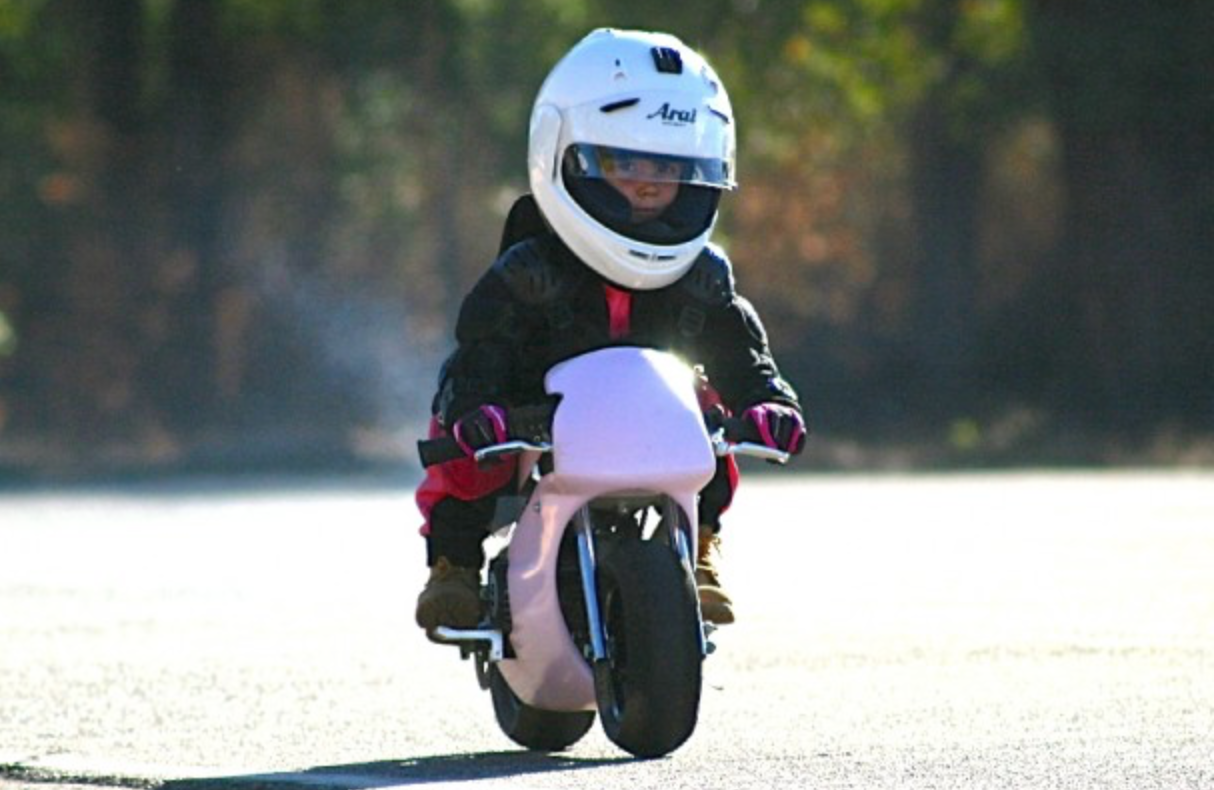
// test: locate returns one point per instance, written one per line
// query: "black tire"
(648, 689)
(533, 728)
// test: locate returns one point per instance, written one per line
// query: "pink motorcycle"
(592, 606)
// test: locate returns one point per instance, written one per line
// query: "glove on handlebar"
(480, 428)
(780, 427)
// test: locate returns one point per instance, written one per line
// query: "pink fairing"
(628, 422)
(629, 419)
(766, 415)
(495, 415)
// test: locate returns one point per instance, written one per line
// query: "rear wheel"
(648, 688)
(536, 729)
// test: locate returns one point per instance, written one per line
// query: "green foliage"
(8, 336)
(862, 67)
(17, 18)
(303, 19)
(886, 174)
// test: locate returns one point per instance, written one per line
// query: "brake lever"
(723, 447)
(510, 448)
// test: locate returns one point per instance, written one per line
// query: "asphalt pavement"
(1032, 630)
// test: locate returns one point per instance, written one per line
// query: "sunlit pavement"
(960, 631)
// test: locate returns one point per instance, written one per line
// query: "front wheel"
(648, 688)
(536, 729)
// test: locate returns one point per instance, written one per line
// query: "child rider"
(631, 147)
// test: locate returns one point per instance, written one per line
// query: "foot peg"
(497, 645)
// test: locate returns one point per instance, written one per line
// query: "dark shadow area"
(235, 462)
(177, 484)
(413, 771)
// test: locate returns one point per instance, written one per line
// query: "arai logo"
(669, 114)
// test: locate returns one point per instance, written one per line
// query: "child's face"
(650, 185)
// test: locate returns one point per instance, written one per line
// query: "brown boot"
(450, 598)
(715, 604)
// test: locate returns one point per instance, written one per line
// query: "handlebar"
(530, 428)
(723, 447)
(736, 436)
(432, 452)
(510, 448)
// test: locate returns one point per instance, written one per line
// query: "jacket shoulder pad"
(531, 271)
(710, 280)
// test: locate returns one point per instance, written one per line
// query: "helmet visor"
(599, 161)
(589, 174)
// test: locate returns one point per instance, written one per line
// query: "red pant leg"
(717, 496)
(463, 479)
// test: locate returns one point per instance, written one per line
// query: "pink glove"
(480, 428)
(780, 427)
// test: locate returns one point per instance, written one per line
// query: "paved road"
(1015, 631)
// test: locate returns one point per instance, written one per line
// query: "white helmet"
(615, 96)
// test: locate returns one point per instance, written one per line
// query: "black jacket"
(538, 305)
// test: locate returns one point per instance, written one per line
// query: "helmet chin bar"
(650, 256)
(628, 262)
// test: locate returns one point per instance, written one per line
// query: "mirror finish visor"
(598, 161)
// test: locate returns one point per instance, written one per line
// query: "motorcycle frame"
(549, 670)
(637, 408)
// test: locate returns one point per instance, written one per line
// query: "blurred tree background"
(234, 233)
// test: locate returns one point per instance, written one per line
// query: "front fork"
(680, 538)
(590, 593)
